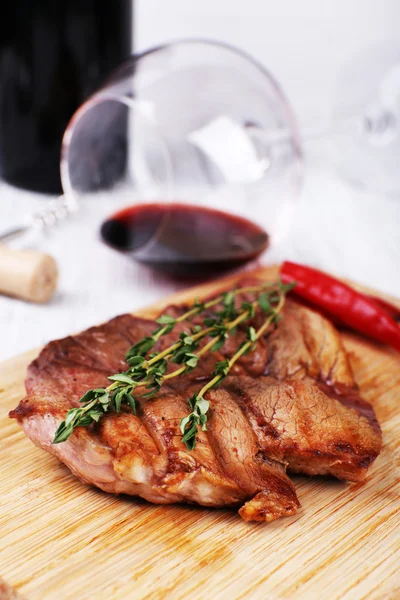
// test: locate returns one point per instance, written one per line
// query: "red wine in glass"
(184, 240)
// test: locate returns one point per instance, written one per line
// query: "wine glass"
(365, 124)
(181, 131)
(366, 119)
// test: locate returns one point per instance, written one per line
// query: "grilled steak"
(291, 404)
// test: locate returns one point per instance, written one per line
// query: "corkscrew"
(55, 211)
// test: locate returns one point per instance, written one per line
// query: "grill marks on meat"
(306, 344)
(272, 493)
(195, 476)
(311, 432)
(292, 403)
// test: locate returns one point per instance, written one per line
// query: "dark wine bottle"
(53, 55)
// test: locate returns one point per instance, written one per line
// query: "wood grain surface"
(61, 539)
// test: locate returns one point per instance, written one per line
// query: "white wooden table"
(335, 227)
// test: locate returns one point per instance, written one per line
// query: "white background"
(304, 43)
(335, 227)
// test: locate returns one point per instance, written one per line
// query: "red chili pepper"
(391, 310)
(336, 299)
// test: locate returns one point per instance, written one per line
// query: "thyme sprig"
(199, 405)
(150, 370)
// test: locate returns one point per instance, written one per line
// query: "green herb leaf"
(142, 347)
(202, 405)
(186, 339)
(135, 361)
(264, 303)
(191, 360)
(251, 334)
(92, 395)
(199, 305)
(218, 344)
(121, 378)
(222, 368)
(118, 397)
(192, 401)
(228, 298)
(62, 434)
(250, 308)
(210, 321)
(71, 416)
(95, 415)
(131, 402)
(166, 320)
(184, 423)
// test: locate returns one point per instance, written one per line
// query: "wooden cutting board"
(60, 539)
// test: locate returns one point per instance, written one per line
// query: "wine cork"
(27, 274)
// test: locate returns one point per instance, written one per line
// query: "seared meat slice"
(310, 431)
(272, 494)
(306, 344)
(293, 402)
